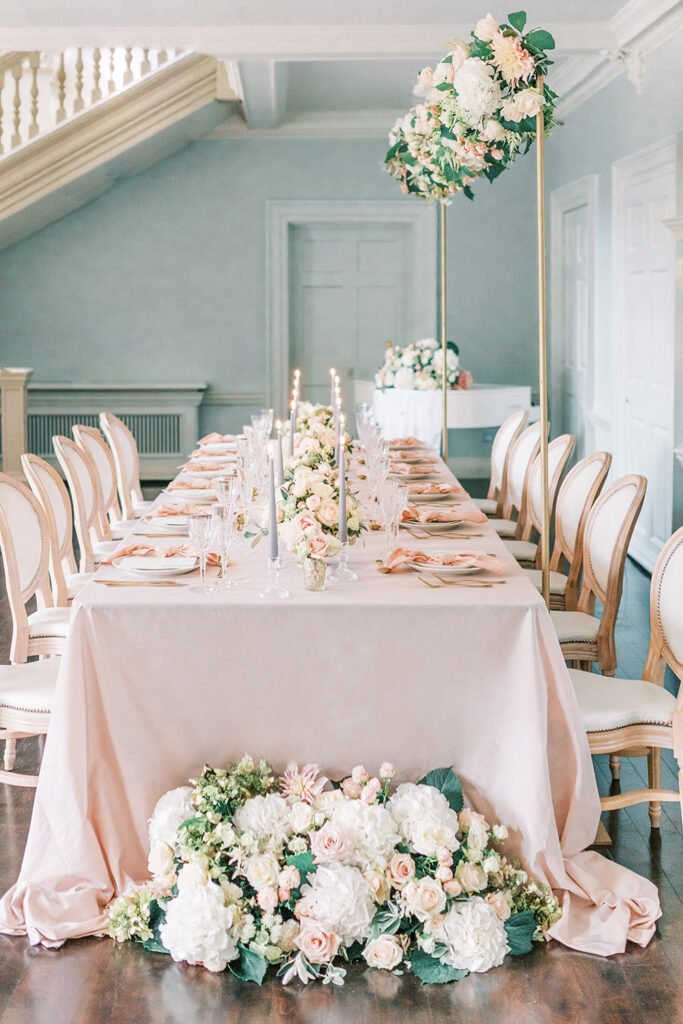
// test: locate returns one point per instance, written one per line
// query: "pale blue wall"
(162, 278)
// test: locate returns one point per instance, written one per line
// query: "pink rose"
(387, 770)
(467, 817)
(425, 82)
(465, 380)
(444, 855)
(528, 102)
(401, 869)
(486, 28)
(350, 788)
(471, 877)
(328, 844)
(267, 899)
(443, 873)
(318, 546)
(424, 898)
(359, 774)
(318, 943)
(444, 73)
(500, 905)
(384, 953)
(369, 792)
(289, 877)
(459, 54)
(452, 887)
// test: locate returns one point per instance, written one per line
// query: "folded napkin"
(139, 550)
(404, 442)
(216, 438)
(432, 488)
(178, 510)
(188, 485)
(407, 469)
(462, 514)
(201, 467)
(464, 559)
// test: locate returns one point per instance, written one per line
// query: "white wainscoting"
(163, 418)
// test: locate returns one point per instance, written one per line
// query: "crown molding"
(318, 124)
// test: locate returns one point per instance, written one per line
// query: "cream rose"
(302, 817)
(529, 102)
(287, 938)
(384, 953)
(424, 898)
(492, 130)
(160, 860)
(262, 871)
(317, 942)
(471, 877)
(328, 513)
(329, 844)
(190, 877)
(401, 869)
(379, 885)
(486, 28)
(443, 72)
(313, 502)
(500, 905)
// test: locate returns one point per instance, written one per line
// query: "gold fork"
(140, 583)
(453, 583)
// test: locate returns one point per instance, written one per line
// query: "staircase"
(73, 122)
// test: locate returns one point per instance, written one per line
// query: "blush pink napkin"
(404, 442)
(215, 438)
(464, 559)
(188, 485)
(201, 467)
(186, 550)
(432, 488)
(178, 510)
(461, 514)
(408, 468)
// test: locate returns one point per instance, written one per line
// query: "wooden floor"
(93, 981)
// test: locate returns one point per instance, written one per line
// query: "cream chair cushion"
(76, 581)
(558, 582)
(120, 527)
(614, 703)
(49, 622)
(504, 527)
(29, 687)
(487, 505)
(523, 550)
(575, 626)
(104, 548)
(141, 508)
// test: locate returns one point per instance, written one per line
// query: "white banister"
(13, 417)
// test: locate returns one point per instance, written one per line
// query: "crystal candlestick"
(273, 591)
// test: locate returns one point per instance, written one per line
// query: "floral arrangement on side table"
(480, 109)
(252, 870)
(420, 366)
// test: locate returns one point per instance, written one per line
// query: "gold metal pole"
(444, 340)
(542, 351)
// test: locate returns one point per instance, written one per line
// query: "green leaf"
(431, 971)
(250, 966)
(304, 862)
(448, 783)
(518, 20)
(520, 929)
(444, 87)
(155, 945)
(540, 39)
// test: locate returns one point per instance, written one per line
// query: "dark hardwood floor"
(92, 981)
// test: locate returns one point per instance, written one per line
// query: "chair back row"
(506, 435)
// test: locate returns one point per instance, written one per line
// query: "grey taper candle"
(272, 513)
(343, 535)
(278, 456)
(292, 428)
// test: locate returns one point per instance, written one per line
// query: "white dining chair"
(25, 546)
(26, 698)
(575, 498)
(91, 441)
(48, 487)
(632, 717)
(506, 435)
(127, 460)
(530, 523)
(522, 454)
(81, 477)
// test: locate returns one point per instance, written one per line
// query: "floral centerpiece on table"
(480, 109)
(420, 366)
(308, 509)
(316, 433)
(252, 870)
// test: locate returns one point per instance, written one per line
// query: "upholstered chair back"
(91, 441)
(506, 435)
(666, 609)
(522, 455)
(126, 459)
(81, 477)
(559, 452)
(48, 487)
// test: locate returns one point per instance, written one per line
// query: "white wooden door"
(350, 294)
(643, 356)
(576, 323)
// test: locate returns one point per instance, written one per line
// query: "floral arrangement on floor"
(308, 509)
(252, 870)
(480, 109)
(420, 366)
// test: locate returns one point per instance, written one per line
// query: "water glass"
(225, 488)
(199, 532)
(222, 525)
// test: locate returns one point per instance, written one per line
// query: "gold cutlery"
(164, 536)
(140, 583)
(472, 584)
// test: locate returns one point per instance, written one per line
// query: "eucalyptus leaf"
(155, 945)
(520, 929)
(445, 779)
(250, 966)
(518, 20)
(431, 971)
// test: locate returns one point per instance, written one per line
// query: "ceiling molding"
(318, 124)
(290, 42)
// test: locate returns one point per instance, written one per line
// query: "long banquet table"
(155, 682)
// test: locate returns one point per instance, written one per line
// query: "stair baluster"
(61, 90)
(96, 75)
(128, 74)
(34, 64)
(17, 72)
(78, 101)
(111, 84)
(2, 84)
(145, 67)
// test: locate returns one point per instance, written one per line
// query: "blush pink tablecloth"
(156, 682)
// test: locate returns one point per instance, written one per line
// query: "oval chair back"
(506, 435)
(522, 454)
(48, 487)
(608, 532)
(81, 477)
(127, 460)
(559, 452)
(25, 546)
(91, 441)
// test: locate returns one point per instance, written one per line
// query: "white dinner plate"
(433, 527)
(156, 568)
(413, 458)
(219, 448)
(204, 474)
(446, 570)
(191, 496)
(418, 499)
(410, 477)
(410, 447)
(170, 524)
(211, 461)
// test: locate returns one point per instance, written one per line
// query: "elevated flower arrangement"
(251, 870)
(480, 109)
(420, 366)
(316, 436)
(308, 508)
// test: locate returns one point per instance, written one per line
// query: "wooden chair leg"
(654, 778)
(10, 752)
(615, 766)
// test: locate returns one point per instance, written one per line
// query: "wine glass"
(199, 532)
(222, 524)
(388, 503)
(225, 489)
(268, 416)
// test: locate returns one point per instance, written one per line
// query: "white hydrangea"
(199, 927)
(171, 810)
(474, 936)
(339, 897)
(404, 377)
(478, 92)
(424, 818)
(267, 817)
(370, 829)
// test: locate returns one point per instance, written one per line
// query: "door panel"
(576, 322)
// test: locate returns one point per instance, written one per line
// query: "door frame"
(282, 214)
(632, 169)
(580, 192)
